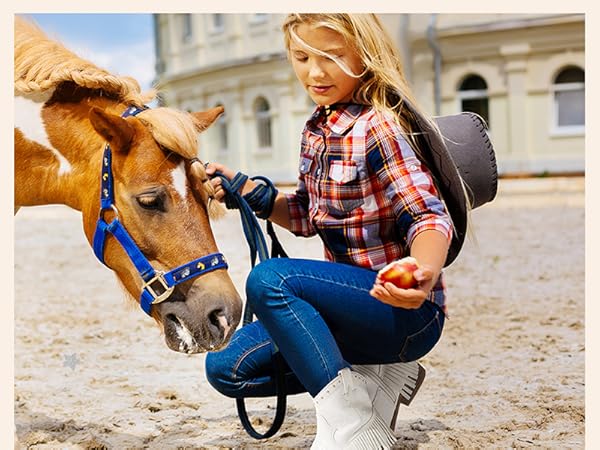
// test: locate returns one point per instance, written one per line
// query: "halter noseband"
(158, 285)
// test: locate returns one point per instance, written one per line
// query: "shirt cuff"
(435, 223)
(299, 224)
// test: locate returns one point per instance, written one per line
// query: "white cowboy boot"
(391, 384)
(346, 418)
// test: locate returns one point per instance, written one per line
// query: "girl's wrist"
(248, 187)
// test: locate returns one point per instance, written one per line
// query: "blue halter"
(158, 285)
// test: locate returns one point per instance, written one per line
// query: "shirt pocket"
(344, 191)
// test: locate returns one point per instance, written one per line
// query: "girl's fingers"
(392, 295)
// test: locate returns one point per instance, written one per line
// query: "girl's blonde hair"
(382, 84)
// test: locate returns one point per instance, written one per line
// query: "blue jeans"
(322, 318)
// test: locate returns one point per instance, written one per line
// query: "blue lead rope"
(255, 238)
(262, 199)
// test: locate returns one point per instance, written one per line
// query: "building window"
(186, 27)
(258, 18)
(221, 125)
(218, 22)
(263, 123)
(473, 96)
(569, 100)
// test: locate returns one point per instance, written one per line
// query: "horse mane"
(42, 64)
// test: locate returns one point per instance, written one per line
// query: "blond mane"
(42, 64)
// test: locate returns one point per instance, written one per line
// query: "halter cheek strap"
(157, 285)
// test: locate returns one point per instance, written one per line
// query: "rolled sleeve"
(430, 222)
(298, 208)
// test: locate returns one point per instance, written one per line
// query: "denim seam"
(322, 358)
(312, 277)
(244, 355)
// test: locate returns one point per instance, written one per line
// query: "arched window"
(221, 126)
(473, 96)
(262, 111)
(569, 99)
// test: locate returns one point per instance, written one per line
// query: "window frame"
(263, 125)
(187, 28)
(217, 28)
(565, 130)
(474, 94)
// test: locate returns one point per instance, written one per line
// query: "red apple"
(400, 273)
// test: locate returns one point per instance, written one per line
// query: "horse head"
(162, 201)
(67, 111)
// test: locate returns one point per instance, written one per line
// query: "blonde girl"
(347, 338)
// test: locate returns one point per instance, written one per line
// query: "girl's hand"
(406, 298)
(211, 169)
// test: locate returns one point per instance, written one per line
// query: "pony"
(85, 139)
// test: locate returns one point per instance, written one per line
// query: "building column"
(283, 152)
(515, 67)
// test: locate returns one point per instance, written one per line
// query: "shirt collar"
(338, 117)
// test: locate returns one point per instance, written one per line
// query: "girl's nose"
(316, 71)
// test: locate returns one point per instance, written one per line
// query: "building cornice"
(236, 63)
(509, 25)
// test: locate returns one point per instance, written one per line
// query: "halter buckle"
(162, 284)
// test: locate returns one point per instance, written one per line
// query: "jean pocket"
(420, 343)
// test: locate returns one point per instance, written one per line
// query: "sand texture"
(92, 370)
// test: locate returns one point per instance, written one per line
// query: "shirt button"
(412, 167)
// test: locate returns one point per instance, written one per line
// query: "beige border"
(423, 6)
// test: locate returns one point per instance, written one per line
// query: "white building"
(523, 72)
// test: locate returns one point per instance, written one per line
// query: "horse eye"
(150, 201)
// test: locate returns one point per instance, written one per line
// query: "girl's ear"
(204, 119)
(116, 130)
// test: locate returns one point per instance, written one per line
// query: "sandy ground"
(92, 372)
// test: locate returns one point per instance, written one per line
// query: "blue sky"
(120, 43)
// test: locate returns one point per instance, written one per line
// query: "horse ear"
(204, 119)
(117, 132)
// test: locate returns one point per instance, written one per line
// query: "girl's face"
(323, 79)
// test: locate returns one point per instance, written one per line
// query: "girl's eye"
(151, 202)
(300, 56)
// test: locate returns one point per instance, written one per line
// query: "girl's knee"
(218, 372)
(263, 280)
(233, 370)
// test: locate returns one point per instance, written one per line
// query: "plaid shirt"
(363, 190)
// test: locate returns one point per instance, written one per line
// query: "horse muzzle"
(200, 323)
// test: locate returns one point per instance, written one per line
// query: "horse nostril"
(187, 341)
(173, 318)
(219, 325)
